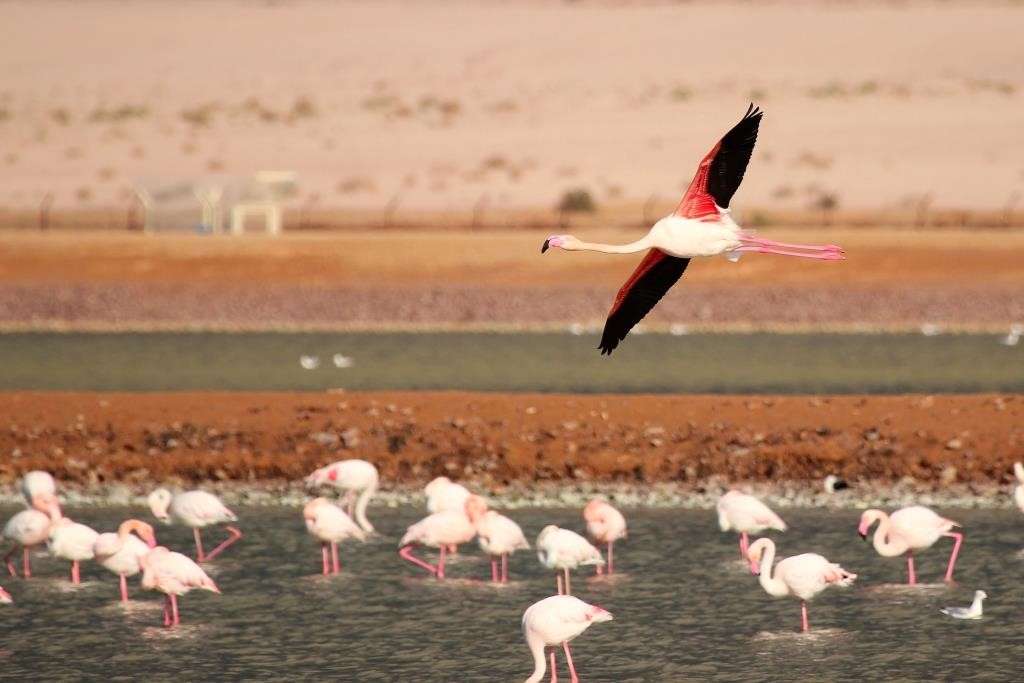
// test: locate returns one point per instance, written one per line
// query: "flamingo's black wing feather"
(653, 277)
(730, 162)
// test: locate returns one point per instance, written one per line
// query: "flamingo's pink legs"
(611, 558)
(762, 242)
(10, 565)
(335, 563)
(822, 256)
(494, 569)
(911, 575)
(744, 545)
(805, 627)
(568, 590)
(167, 610)
(504, 568)
(323, 557)
(554, 668)
(76, 577)
(558, 582)
(199, 544)
(124, 588)
(568, 658)
(234, 534)
(174, 609)
(959, 539)
(405, 552)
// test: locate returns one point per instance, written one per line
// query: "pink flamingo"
(174, 575)
(195, 509)
(802, 576)
(440, 530)
(353, 477)
(909, 529)
(497, 535)
(120, 553)
(70, 540)
(743, 513)
(562, 550)
(606, 525)
(28, 529)
(555, 621)
(331, 525)
(37, 482)
(444, 495)
(700, 226)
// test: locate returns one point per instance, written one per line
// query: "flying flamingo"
(497, 535)
(909, 529)
(700, 226)
(747, 515)
(174, 575)
(29, 528)
(353, 477)
(440, 530)
(331, 525)
(71, 540)
(36, 482)
(1018, 490)
(562, 550)
(802, 576)
(195, 509)
(120, 552)
(605, 524)
(555, 621)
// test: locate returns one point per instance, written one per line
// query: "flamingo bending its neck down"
(802, 576)
(121, 552)
(28, 529)
(562, 550)
(909, 529)
(497, 535)
(605, 525)
(174, 575)
(440, 530)
(70, 540)
(354, 477)
(37, 482)
(195, 509)
(555, 621)
(444, 495)
(700, 226)
(747, 515)
(331, 525)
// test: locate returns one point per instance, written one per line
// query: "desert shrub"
(577, 200)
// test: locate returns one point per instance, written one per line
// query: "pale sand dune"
(445, 104)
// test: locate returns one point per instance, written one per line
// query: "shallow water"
(685, 609)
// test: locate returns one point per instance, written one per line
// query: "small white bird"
(309, 362)
(678, 330)
(834, 483)
(972, 612)
(1013, 338)
(341, 361)
(931, 330)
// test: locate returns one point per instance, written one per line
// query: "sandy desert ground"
(456, 104)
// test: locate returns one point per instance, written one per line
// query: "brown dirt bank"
(498, 439)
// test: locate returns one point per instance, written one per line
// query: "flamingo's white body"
(329, 523)
(37, 482)
(605, 525)
(440, 530)
(564, 550)
(120, 552)
(195, 509)
(746, 514)
(497, 535)
(555, 621)
(909, 529)
(72, 541)
(174, 575)
(801, 576)
(1018, 490)
(354, 477)
(28, 529)
(444, 495)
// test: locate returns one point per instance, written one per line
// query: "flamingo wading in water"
(747, 515)
(331, 525)
(909, 529)
(802, 576)
(562, 550)
(121, 552)
(28, 529)
(605, 525)
(555, 621)
(70, 540)
(174, 575)
(497, 535)
(354, 477)
(195, 509)
(440, 530)
(700, 226)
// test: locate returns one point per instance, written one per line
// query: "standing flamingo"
(440, 530)
(37, 482)
(331, 525)
(747, 515)
(606, 525)
(555, 621)
(195, 509)
(70, 540)
(1018, 490)
(28, 529)
(497, 535)
(353, 477)
(700, 226)
(562, 550)
(444, 495)
(909, 529)
(120, 552)
(174, 575)
(802, 576)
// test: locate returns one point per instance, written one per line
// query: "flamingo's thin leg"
(494, 569)
(911, 576)
(405, 552)
(323, 556)
(440, 563)
(124, 588)
(199, 544)
(958, 540)
(611, 557)
(760, 241)
(568, 589)
(504, 568)
(568, 659)
(235, 534)
(335, 562)
(26, 562)
(805, 627)
(75, 577)
(558, 582)
(167, 610)
(174, 609)
(10, 565)
(554, 668)
(822, 256)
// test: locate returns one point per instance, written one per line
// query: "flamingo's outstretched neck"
(642, 244)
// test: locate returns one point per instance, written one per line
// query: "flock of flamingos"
(456, 517)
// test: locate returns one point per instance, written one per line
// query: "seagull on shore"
(309, 362)
(700, 226)
(1013, 338)
(834, 484)
(341, 361)
(972, 612)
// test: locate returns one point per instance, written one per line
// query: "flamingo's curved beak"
(755, 567)
(546, 245)
(863, 535)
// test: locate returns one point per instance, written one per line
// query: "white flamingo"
(563, 550)
(174, 575)
(72, 541)
(909, 529)
(28, 529)
(497, 535)
(555, 621)
(746, 514)
(353, 477)
(195, 509)
(329, 523)
(605, 525)
(120, 552)
(37, 482)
